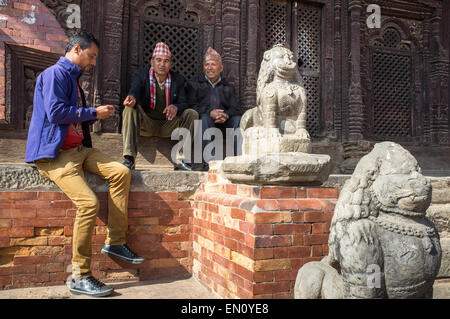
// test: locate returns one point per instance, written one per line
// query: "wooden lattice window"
(392, 93)
(179, 29)
(298, 27)
(308, 28)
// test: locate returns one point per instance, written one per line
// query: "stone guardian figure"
(381, 245)
(276, 144)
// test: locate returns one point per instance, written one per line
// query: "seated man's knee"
(235, 121)
(206, 120)
(191, 114)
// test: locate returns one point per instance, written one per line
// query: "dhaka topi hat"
(161, 49)
(212, 54)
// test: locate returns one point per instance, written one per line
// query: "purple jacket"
(54, 109)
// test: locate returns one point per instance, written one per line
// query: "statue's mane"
(267, 69)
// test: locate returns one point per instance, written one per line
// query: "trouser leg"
(185, 120)
(119, 179)
(130, 130)
(67, 172)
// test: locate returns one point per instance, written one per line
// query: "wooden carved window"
(179, 29)
(23, 66)
(298, 27)
(392, 91)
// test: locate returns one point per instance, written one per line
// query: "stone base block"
(277, 169)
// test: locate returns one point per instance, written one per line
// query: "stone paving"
(181, 288)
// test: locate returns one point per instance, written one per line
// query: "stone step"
(154, 153)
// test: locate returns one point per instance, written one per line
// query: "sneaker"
(122, 252)
(129, 162)
(89, 286)
(182, 166)
(203, 168)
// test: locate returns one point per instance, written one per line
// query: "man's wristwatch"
(95, 114)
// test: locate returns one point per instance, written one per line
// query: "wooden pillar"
(356, 107)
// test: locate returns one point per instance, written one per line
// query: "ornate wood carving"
(59, 10)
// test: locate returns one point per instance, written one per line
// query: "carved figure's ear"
(267, 55)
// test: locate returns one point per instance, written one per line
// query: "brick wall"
(250, 241)
(36, 238)
(44, 34)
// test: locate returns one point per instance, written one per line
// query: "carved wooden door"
(298, 26)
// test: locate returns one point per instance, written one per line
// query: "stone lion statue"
(381, 245)
(280, 114)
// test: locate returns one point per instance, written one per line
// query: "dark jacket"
(54, 109)
(203, 98)
(140, 89)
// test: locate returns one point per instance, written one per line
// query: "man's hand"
(170, 112)
(130, 101)
(218, 116)
(105, 111)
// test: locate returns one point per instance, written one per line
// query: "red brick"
(51, 267)
(320, 228)
(315, 239)
(21, 232)
(22, 196)
(51, 212)
(175, 237)
(301, 192)
(18, 213)
(32, 260)
(285, 275)
(297, 240)
(164, 196)
(230, 189)
(316, 251)
(276, 192)
(299, 251)
(246, 227)
(244, 190)
(309, 204)
(5, 223)
(237, 213)
(137, 196)
(272, 241)
(268, 204)
(287, 229)
(5, 281)
(263, 229)
(49, 196)
(68, 230)
(314, 217)
(322, 192)
(263, 276)
(298, 217)
(174, 204)
(60, 222)
(281, 252)
(4, 241)
(270, 287)
(23, 222)
(288, 204)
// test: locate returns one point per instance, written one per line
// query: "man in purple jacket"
(59, 144)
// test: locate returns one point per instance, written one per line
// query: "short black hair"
(83, 38)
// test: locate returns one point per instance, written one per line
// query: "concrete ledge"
(26, 177)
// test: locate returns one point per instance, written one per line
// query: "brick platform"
(36, 238)
(238, 240)
(250, 241)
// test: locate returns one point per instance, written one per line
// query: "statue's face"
(283, 62)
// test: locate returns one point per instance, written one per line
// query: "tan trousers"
(135, 123)
(67, 171)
